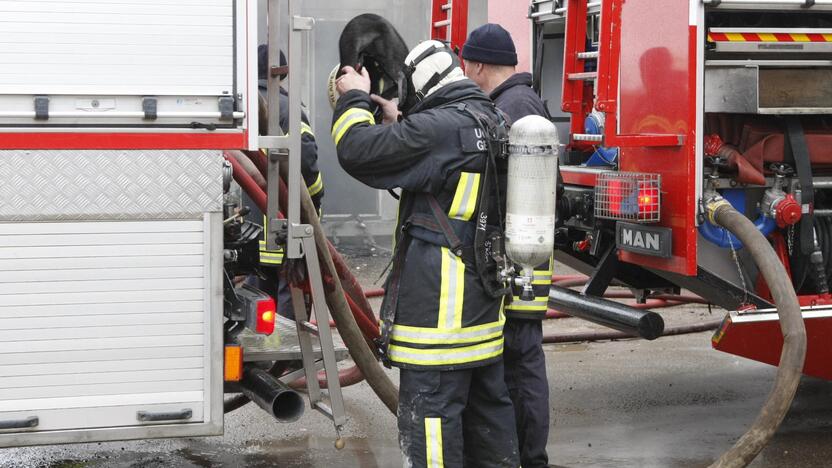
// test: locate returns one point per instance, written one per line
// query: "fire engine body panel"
(116, 75)
(110, 295)
(668, 105)
(121, 232)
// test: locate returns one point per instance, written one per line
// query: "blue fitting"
(721, 237)
(603, 156)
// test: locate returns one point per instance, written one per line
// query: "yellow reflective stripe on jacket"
(306, 129)
(465, 199)
(423, 335)
(452, 291)
(350, 118)
(269, 257)
(433, 443)
(316, 186)
(446, 356)
(539, 303)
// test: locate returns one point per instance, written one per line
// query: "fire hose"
(777, 404)
(348, 329)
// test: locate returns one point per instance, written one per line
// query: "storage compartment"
(762, 89)
(87, 65)
(110, 296)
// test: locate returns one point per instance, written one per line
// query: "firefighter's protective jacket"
(309, 170)
(443, 317)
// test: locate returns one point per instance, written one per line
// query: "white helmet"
(430, 66)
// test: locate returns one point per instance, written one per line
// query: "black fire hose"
(721, 213)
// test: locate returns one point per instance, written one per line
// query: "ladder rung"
(586, 76)
(442, 23)
(324, 409)
(587, 137)
(308, 326)
(588, 55)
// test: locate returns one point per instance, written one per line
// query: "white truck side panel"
(102, 48)
(42, 381)
(110, 294)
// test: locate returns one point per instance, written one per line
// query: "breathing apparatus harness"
(487, 253)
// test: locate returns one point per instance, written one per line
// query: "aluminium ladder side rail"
(300, 242)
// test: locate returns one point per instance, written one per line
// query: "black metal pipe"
(644, 323)
(277, 399)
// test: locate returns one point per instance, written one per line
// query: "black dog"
(371, 41)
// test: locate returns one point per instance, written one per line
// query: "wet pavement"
(673, 402)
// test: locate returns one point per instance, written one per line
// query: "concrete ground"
(673, 402)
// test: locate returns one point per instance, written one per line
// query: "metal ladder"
(577, 99)
(449, 22)
(300, 242)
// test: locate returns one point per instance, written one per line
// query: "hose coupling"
(713, 202)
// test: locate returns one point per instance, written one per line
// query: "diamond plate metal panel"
(109, 185)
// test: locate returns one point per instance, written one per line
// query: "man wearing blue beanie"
(490, 61)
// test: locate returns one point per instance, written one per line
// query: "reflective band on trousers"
(539, 303)
(350, 118)
(446, 356)
(465, 199)
(475, 334)
(433, 443)
(452, 291)
(542, 278)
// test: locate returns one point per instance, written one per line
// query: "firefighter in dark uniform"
(490, 61)
(442, 328)
(270, 260)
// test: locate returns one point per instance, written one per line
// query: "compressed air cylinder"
(532, 182)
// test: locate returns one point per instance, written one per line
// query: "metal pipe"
(646, 324)
(277, 399)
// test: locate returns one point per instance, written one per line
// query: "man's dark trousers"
(525, 374)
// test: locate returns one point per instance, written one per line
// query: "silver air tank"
(532, 182)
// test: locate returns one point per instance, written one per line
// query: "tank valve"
(524, 281)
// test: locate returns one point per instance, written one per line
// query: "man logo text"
(644, 240)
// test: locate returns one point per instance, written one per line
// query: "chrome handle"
(147, 416)
(20, 423)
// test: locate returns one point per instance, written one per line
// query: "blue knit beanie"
(491, 44)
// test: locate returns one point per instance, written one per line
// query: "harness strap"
(387, 314)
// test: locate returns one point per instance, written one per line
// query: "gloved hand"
(351, 80)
